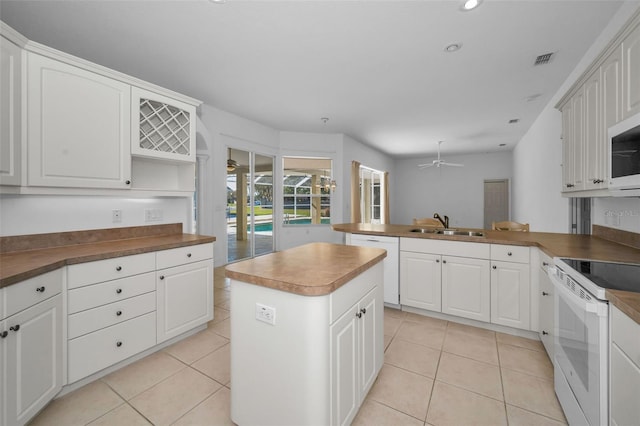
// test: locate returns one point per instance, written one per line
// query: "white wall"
(619, 213)
(457, 192)
(537, 180)
(36, 214)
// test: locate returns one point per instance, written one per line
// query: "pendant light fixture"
(231, 163)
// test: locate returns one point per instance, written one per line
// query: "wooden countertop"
(553, 244)
(83, 246)
(314, 269)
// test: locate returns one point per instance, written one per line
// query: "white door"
(369, 341)
(79, 127)
(420, 280)
(345, 395)
(611, 104)
(630, 72)
(625, 382)
(593, 141)
(578, 140)
(33, 362)
(496, 201)
(567, 147)
(10, 113)
(546, 312)
(510, 294)
(184, 298)
(466, 288)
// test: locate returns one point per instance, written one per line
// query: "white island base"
(317, 361)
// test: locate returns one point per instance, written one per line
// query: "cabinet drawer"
(625, 332)
(180, 256)
(508, 253)
(88, 297)
(114, 313)
(451, 248)
(95, 351)
(348, 295)
(34, 290)
(109, 269)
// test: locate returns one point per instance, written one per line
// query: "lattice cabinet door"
(162, 127)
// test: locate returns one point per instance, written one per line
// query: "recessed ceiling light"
(454, 47)
(468, 5)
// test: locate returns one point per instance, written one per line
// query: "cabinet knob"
(494, 267)
(118, 343)
(188, 254)
(437, 260)
(444, 261)
(15, 327)
(118, 313)
(545, 263)
(359, 314)
(128, 182)
(544, 333)
(509, 253)
(40, 289)
(544, 293)
(4, 334)
(162, 277)
(118, 290)
(569, 185)
(118, 268)
(363, 310)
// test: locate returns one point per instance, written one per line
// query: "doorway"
(496, 201)
(250, 230)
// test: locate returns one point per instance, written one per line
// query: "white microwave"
(624, 154)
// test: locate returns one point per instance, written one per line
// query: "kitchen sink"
(425, 230)
(460, 233)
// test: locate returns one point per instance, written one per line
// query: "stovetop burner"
(609, 275)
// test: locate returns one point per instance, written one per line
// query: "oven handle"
(597, 307)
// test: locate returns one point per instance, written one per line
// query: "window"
(370, 191)
(307, 186)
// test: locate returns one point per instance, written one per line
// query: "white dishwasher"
(391, 262)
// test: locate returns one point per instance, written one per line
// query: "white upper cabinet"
(162, 127)
(79, 133)
(594, 143)
(631, 73)
(10, 113)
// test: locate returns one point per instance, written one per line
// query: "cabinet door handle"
(545, 263)
(188, 254)
(437, 260)
(359, 314)
(118, 313)
(363, 310)
(544, 293)
(128, 182)
(118, 290)
(544, 333)
(118, 268)
(162, 277)
(118, 343)
(509, 253)
(40, 289)
(494, 267)
(444, 261)
(4, 334)
(15, 327)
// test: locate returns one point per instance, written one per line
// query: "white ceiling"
(376, 69)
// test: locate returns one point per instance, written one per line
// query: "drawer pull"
(363, 310)
(4, 334)
(544, 333)
(162, 277)
(359, 314)
(545, 263)
(118, 268)
(15, 327)
(188, 254)
(118, 313)
(40, 289)
(118, 290)
(509, 253)
(118, 343)
(544, 293)
(494, 267)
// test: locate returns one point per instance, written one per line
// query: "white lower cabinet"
(354, 357)
(420, 280)
(31, 359)
(510, 294)
(624, 369)
(546, 318)
(184, 298)
(466, 288)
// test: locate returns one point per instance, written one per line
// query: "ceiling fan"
(439, 162)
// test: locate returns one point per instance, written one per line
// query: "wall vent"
(543, 59)
(514, 120)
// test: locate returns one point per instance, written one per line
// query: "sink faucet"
(444, 222)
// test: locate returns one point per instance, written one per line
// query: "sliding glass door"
(249, 204)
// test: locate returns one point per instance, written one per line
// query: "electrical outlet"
(153, 215)
(266, 314)
(116, 216)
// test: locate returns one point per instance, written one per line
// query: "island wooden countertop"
(553, 244)
(24, 257)
(314, 269)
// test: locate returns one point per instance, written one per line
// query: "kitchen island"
(307, 334)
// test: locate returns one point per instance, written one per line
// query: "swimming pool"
(268, 226)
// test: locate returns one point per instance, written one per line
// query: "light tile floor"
(435, 373)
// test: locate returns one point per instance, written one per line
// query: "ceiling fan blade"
(425, 166)
(452, 164)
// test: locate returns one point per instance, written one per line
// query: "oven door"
(581, 351)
